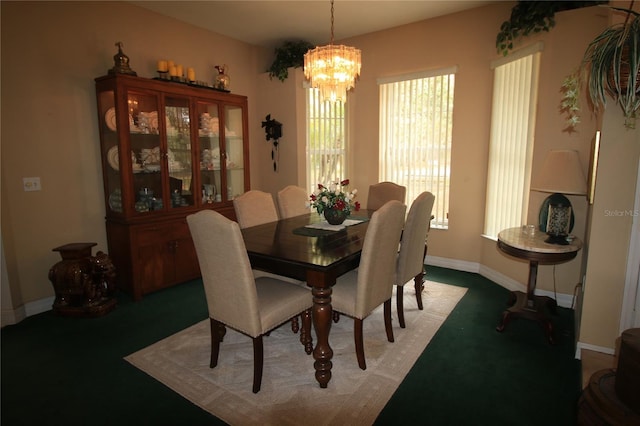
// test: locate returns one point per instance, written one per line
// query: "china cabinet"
(168, 150)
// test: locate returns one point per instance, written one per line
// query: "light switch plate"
(31, 184)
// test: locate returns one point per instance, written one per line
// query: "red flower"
(345, 182)
(320, 186)
(313, 197)
(357, 205)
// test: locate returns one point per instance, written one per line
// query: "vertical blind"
(416, 122)
(326, 141)
(515, 89)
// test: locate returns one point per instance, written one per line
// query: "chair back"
(378, 258)
(411, 256)
(255, 208)
(229, 286)
(292, 201)
(382, 192)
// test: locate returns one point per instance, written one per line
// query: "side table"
(532, 247)
(84, 284)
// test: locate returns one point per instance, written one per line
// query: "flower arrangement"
(334, 197)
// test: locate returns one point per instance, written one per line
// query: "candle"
(162, 66)
(170, 64)
(173, 72)
(179, 70)
(191, 74)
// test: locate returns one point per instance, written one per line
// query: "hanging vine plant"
(529, 17)
(290, 54)
(612, 61)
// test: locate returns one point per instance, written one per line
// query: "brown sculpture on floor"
(85, 285)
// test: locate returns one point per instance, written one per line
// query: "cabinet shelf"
(149, 240)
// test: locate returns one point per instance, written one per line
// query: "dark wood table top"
(287, 248)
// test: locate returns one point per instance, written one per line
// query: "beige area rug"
(290, 394)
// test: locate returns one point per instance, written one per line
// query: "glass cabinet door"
(234, 150)
(179, 162)
(144, 134)
(110, 150)
(210, 155)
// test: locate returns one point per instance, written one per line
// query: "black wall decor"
(273, 131)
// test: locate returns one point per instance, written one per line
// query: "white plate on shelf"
(114, 160)
(110, 119)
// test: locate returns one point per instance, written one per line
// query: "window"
(326, 140)
(515, 88)
(416, 121)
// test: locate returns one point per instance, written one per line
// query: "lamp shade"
(561, 173)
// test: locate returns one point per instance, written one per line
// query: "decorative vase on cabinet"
(164, 146)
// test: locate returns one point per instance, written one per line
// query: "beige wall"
(52, 51)
(466, 40)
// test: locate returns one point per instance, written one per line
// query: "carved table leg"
(322, 324)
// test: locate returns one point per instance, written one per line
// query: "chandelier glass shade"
(333, 69)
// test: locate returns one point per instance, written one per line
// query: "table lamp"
(561, 174)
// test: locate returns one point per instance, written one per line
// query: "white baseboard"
(564, 300)
(580, 346)
(458, 265)
(12, 316)
(32, 308)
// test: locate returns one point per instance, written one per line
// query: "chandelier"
(333, 69)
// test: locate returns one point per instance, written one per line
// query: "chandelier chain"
(331, 22)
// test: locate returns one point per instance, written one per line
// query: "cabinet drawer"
(171, 231)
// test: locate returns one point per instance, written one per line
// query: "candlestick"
(163, 66)
(191, 74)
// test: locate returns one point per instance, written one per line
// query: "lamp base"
(557, 239)
(544, 210)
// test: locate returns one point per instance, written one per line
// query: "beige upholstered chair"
(292, 201)
(410, 264)
(357, 293)
(234, 298)
(255, 208)
(382, 192)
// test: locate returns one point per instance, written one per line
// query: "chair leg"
(418, 280)
(399, 305)
(217, 331)
(295, 325)
(357, 336)
(419, 286)
(305, 335)
(258, 358)
(387, 320)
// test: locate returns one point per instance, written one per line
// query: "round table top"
(521, 238)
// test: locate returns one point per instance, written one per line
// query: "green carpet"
(57, 370)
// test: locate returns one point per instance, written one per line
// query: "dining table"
(308, 249)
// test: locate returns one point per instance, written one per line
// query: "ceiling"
(269, 23)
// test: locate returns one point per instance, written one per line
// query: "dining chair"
(234, 297)
(292, 201)
(380, 193)
(254, 208)
(357, 293)
(413, 249)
